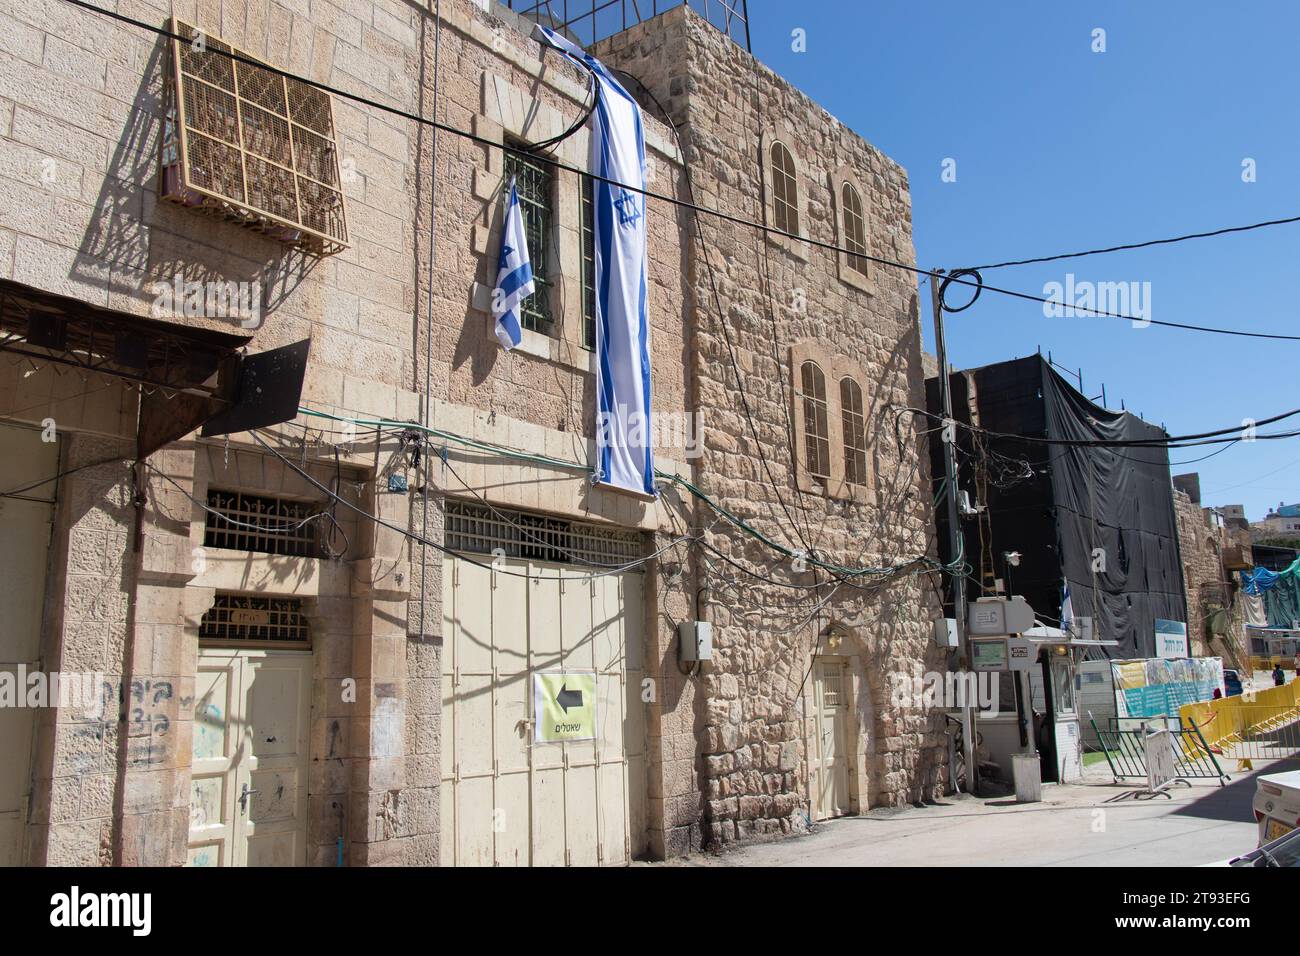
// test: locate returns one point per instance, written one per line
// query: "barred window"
(785, 190)
(243, 522)
(588, 214)
(248, 617)
(816, 433)
(855, 439)
(479, 529)
(855, 229)
(533, 181)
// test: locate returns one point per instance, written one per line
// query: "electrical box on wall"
(998, 616)
(945, 632)
(694, 641)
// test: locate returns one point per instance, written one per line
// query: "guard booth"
(1054, 696)
(1040, 665)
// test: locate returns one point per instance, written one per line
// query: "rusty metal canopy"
(188, 374)
(56, 328)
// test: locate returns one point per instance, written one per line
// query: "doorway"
(26, 517)
(831, 760)
(248, 783)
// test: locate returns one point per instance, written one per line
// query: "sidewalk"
(1074, 825)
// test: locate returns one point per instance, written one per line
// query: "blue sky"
(1058, 148)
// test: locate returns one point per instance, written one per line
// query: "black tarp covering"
(1119, 500)
(1076, 499)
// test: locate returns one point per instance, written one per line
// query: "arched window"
(855, 433)
(785, 190)
(855, 229)
(816, 433)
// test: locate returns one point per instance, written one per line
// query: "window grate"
(250, 145)
(533, 183)
(243, 522)
(478, 529)
(245, 617)
(832, 681)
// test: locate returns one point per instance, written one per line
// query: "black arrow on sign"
(568, 698)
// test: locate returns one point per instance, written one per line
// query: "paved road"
(1085, 825)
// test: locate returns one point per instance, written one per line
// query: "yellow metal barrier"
(1265, 724)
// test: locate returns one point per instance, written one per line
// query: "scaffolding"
(587, 22)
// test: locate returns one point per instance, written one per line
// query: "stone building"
(1214, 545)
(322, 641)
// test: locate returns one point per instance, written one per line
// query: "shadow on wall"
(136, 240)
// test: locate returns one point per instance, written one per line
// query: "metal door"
(506, 801)
(248, 778)
(25, 524)
(831, 764)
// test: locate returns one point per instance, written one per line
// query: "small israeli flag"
(514, 274)
(1067, 610)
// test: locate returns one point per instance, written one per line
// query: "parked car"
(1284, 851)
(1277, 805)
(1231, 683)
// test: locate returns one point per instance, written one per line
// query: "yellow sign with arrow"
(564, 706)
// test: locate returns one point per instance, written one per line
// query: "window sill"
(796, 247)
(856, 279)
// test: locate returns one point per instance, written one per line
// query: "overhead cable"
(672, 200)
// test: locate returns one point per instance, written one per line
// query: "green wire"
(952, 567)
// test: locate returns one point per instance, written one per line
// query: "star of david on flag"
(514, 273)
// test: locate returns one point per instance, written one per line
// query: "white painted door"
(506, 801)
(248, 779)
(831, 764)
(25, 524)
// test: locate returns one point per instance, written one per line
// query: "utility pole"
(956, 549)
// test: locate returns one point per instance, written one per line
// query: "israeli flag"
(514, 274)
(1067, 610)
(623, 432)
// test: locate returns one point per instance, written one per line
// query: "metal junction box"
(694, 641)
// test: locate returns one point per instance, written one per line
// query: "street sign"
(564, 706)
(1171, 639)
(1022, 654)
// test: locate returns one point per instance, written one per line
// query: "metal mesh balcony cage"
(246, 143)
(589, 21)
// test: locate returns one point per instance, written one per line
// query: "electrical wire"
(560, 463)
(1141, 245)
(18, 492)
(1170, 441)
(421, 539)
(735, 220)
(260, 529)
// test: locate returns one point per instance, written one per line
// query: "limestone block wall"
(1211, 592)
(775, 295)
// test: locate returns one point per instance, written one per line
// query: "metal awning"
(54, 328)
(187, 374)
